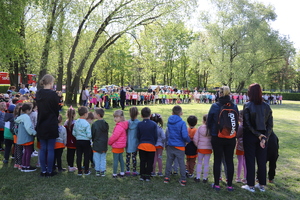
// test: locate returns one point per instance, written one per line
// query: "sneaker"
(121, 175)
(197, 180)
(190, 175)
(102, 173)
(229, 188)
(62, 170)
(43, 174)
(31, 169)
(166, 180)
(141, 179)
(115, 176)
(16, 166)
(238, 180)
(260, 187)
(97, 173)
(127, 173)
(215, 187)
(160, 174)
(1, 149)
(147, 179)
(182, 182)
(72, 169)
(5, 161)
(50, 174)
(38, 165)
(79, 173)
(244, 181)
(271, 181)
(153, 174)
(135, 173)
(205, 180)
(250, 189)
(23, 169)
(12, 157)
(88, 172)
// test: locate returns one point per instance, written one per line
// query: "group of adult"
(257, 127)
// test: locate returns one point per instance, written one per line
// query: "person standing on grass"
(25, 136)
(100, 138)
(202, 139)
(82, 133)
(223, 144)
(118, 142)
(258, 125)
(132, 141)
(191, 148)
(160, 144)
(71, 140)
(60, 145)
(177, 139)
(47, 123)
(147, 136)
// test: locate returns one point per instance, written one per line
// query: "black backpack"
(227, 121)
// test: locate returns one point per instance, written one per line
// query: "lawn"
(18, 185)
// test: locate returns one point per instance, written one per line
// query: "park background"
(18, 185)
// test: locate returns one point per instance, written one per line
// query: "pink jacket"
(119, 136)
(201, 140)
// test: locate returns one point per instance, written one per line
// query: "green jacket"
(100, 135)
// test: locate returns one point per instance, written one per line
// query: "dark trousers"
(57, 158)
(253, 151)
(223, 146)
(70, 157)
(146, 163)
(83, 147)
(122, 102)
(272, 155)
(1, 138)
(8, 145)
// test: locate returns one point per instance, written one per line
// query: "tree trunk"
(60, 50)
(46, 47)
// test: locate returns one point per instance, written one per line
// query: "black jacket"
(100, 135)
(48, 111)
(258, 119)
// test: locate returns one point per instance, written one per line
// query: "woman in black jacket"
(258, 125)
(47, 123)
(222, 146)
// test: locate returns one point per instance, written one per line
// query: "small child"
(132, 141)
(71, 140)
(18, 148)
(240, 151)
(202, 140)
(272, 156)
(160, 144)
(82, 133)
(177, 138)
(191, 148)
(147, 135)
(60, 144)
(118, 142)
(100, 138)
(8, 136)
(90, 119)
(25, 136)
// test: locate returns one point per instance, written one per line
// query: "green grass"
(17, 185)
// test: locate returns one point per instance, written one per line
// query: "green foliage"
(3, 88)
(291, 96)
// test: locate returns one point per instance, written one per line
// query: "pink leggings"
(206, 158)
(158, 159)
(241, 164)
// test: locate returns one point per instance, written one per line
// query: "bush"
(3, 88)
(286, 96)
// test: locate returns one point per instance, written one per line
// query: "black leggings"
(83, 147)
(57, 158)
(70, 157)
(8, 145)
(223, 146)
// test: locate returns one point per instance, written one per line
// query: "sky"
(288, 16)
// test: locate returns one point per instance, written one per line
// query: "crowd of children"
(88, 137)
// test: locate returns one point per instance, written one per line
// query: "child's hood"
(133, 124)
(173, 119)
(123, 124)
(22, 118)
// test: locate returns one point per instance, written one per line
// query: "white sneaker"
(260, 187)
(246, 187)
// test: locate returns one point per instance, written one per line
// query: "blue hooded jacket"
(177, 132)
(132, 140)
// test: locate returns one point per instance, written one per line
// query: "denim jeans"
(99, 161)
(47, 154)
